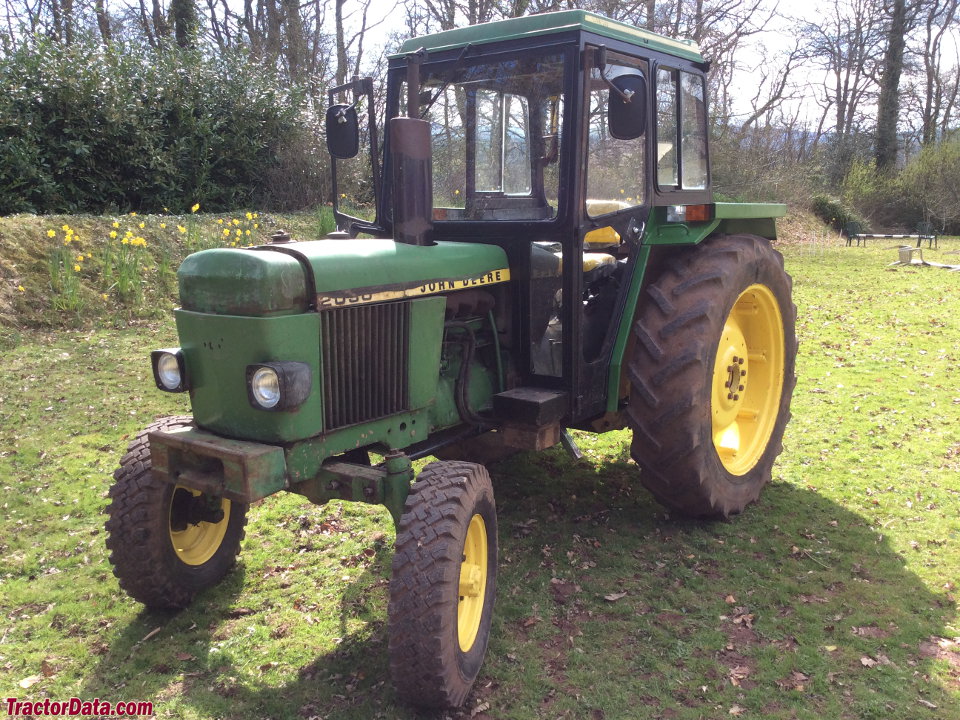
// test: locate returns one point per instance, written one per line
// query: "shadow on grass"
(609, 608)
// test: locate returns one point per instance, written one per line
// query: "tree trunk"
(888, 110)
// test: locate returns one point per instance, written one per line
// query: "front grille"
(364, 362)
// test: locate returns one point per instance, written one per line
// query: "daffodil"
(256, 215)
(133, 214)
(51, 233)
(116, 224)
(76, 268)
(181, 229)
(80, 257)
(113, 234)
(104, 296)
(195, 208)
(66, 228)
(247, 232)
(226, 232)
(256, 225)
(249, 216)
(219, 221)
(141, 225)
(235, 221)
(21, 288)
(163, 226)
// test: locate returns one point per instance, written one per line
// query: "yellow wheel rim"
(473, 583)
(198, 543)
(748, 379)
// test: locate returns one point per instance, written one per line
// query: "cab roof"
(548, 24)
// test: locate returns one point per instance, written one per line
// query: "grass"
(86, 271)
(832, 597)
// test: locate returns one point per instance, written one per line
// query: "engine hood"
(321, 274)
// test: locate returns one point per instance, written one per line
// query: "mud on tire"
(712, 375)
(141, 531)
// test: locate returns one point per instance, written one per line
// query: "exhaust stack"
(412, 170)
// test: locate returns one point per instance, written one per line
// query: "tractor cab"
(552, 137)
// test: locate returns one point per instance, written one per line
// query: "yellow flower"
(166, 209)
(195, 208)
(116, 224)
(249, 216)
(66, 228)
(67, 239)
(125, 241)
(21, 288)
(219, 221)
(235, 221)
(128, 234)
(247, 232)
(104, 296)
(226, 232)
(621, 191)
(239, 232)
(76, 268)
(133, 214)
(51, 233)
(113, 233)
(456, 192)
(343, 196)
(163, 226)
(256, 225)
(141, 225)
(89, 255)
(181, 228)
(256, 215)
(80, 257)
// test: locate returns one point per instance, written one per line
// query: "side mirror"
(627, 107)
(343, 131)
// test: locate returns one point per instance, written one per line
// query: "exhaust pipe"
(410, 151)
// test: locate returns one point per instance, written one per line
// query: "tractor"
(540, 251)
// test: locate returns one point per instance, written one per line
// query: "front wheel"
(167, 542)
(443, 585)
(712, 375)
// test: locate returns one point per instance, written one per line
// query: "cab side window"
(681, 130)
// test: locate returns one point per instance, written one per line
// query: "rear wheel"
(167, 542)
(443, 585)
(712, 374)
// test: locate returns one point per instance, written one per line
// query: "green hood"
(276, 279)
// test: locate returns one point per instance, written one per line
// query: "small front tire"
(444, 584)
(161, 550)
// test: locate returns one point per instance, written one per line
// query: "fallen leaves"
(795, 681)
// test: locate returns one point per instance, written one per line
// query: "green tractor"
(544, 253)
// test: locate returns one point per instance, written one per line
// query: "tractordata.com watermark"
(75, 707)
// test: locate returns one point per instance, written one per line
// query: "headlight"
(168, 369)
(278, 385)
(265, 387)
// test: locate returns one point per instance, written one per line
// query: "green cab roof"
(550, 23)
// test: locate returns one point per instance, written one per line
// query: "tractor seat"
(597, 266)
(605, 207)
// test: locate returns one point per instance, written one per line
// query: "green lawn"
(833, 597)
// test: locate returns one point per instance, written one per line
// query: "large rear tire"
(444, 584)
(712, 375)
(161, 550)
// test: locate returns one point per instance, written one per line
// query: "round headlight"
(168, 371)
(265, 386)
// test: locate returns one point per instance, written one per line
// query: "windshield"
(496, 135)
